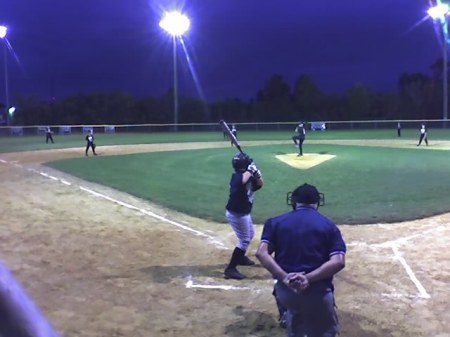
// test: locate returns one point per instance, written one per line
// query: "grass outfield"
(361, 184)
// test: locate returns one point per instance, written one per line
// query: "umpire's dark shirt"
(303, 240)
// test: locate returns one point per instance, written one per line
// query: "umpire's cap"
(306, 194)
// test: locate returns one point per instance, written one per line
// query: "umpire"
(308, 250)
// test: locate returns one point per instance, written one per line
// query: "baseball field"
(133, 242)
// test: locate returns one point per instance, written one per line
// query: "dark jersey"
(241, 195)
(90, 139)
(300, 129)
(303, 240)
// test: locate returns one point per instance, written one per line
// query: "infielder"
(48, 135)
(299, 138)
(423, 134)
(90, 143)
(234, 132)
(245, 180)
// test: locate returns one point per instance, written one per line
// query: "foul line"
(124, 204)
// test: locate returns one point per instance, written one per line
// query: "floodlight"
(3, 31)
(175, 23)
(439, 11)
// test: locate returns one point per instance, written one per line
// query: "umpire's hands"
(296, 281)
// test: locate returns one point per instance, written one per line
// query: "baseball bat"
(232, 138)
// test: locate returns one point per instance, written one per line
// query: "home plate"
(304, 162)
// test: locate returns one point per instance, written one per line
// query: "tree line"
(418, 96)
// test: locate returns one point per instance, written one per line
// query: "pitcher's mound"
(304, 162)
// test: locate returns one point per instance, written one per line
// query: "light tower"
(3, 32)
(439, 14)
(176, 24)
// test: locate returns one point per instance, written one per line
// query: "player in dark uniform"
(245, 180)
(423, 134)
(90, 143)
(299, 138)
(234, 132)
(48, 135)
(308, 251)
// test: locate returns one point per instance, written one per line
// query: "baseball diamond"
(100, 262)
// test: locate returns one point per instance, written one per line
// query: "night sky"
(67, 47)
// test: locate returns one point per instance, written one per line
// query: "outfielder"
(245, 180)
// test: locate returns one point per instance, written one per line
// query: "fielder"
(90, 143)
(234, 132)
(48, 135)
(423, 134)
(299, 138)
(245, 180)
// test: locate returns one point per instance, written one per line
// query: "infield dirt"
(98, 267)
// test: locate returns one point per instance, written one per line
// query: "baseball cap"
(306, 194)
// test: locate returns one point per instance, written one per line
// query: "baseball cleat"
(233, 273)
(245, 261)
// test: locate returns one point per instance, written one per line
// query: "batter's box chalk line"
(191, 285)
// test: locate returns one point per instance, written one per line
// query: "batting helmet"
(241, 161)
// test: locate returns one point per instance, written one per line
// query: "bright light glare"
(11, 110)
(175, 23)
(3, 31)
(438, 11)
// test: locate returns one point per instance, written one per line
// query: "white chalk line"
(393, 245)
(422, 292)
(210, 238)
(191, 285)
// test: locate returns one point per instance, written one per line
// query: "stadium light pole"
(439, 13)
(3, 31)
(176, 24)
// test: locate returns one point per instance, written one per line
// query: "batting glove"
(252, 168)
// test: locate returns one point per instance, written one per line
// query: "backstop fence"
(205, 127)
